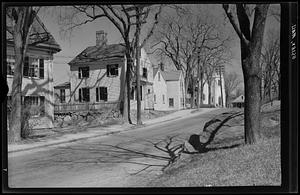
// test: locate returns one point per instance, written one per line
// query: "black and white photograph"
(144, 95)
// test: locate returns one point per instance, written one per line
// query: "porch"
(79, 107)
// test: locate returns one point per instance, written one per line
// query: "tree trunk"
(252, 108)
(279, 88)
(186, 83)
(221, 88)
(15, 127)
(127, 88)
(138, 84)
(201, 90)
(192, 93)
(198, 83)
(23, 23)
(270, 84)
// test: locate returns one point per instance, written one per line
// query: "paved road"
(126, 159)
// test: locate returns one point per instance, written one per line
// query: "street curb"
(94, 136)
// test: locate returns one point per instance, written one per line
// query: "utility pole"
(138, 10)
(138, 13)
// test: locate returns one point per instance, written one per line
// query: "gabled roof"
(38, 34)
(171, 75)
(239, 99)
(96, 53)
(155, 70)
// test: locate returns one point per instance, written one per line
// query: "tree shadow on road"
(167, 151)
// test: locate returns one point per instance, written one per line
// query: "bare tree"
(19, 25)
(251, 38)
(271, 65)
(231, 83)
(183, 38)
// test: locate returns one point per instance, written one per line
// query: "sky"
(86, 36)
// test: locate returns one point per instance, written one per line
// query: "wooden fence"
(78, 107)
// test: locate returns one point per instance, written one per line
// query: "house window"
(31, 100)
(159, 76)
(171, 102)
(62, 95)
(220, 100)
(10, 64)
(145, 72)
(84, 94)
(112, 70)
(149, 91)
(36, 104)
(154, 97)
(83, 72)
(219, 82)
(163, 98)
(212, 100)
(203, 96)
(33, 67)
(101, 94)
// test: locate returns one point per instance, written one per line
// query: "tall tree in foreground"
(19, 24)
(251, 43)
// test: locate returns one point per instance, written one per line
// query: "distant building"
(169, 91)
(217, 84)
(98, 75)
(37, 82)
(239, 102)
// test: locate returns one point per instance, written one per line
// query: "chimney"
(101, 39)
(161, 66)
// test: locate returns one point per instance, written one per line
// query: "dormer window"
(33, 67)
(145, 74)
(83, 72)
(112, 70)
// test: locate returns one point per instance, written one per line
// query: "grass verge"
(239, 165)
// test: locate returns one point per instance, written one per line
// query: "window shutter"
(87, 94)
(97, 94)
(79, 95)
(88, 72)
(26, 66)
(42, 105)
(41, 68)
(79, 73)
(105, 93)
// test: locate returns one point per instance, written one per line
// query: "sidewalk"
(93, 132)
